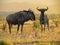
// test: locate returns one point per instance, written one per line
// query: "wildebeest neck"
(42, 13)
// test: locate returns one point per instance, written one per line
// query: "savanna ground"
(32, 34)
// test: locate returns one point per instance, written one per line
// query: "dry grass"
(30, 35)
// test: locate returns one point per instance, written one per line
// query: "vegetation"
(36, 25)
(6, 41)
(0, 18)
(32, 43)
(47, 38)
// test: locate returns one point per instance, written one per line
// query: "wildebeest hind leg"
(44, 27)
(48, 26)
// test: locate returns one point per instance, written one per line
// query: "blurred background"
(17, 5)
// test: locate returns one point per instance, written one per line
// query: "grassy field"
(32, 34)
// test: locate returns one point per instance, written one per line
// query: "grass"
(38, 43)
(5, 41)
(36, 25)
(0, 18)
(46, 38)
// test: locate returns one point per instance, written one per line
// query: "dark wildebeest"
(19, 18)
(43, 18)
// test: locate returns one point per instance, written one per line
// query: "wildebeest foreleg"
(44, 27)
(10, 25)
(21, 28)
(18, 28)
(41, 27)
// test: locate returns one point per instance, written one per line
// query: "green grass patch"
(36, 25)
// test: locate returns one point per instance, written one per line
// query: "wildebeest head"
(42, 9)
(31, 14)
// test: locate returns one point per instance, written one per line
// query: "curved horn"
(37, 8)
(47, 8)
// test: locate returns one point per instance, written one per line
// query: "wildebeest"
(19, 18)
(43, 18)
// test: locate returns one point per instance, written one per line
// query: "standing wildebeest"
(43, 19)
(19, 18)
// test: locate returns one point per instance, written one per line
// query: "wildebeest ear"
(29, 10)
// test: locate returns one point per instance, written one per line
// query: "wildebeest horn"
(47, 8)
(37, 8)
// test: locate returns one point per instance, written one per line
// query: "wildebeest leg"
(48, 25)
(41, 27)
(10, 25)
(18, 28)
(44, 27)
(21, 28)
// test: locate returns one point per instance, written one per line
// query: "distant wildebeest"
(19, 18)
(43, 18)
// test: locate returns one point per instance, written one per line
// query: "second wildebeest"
(43, 18)
(19, 18)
